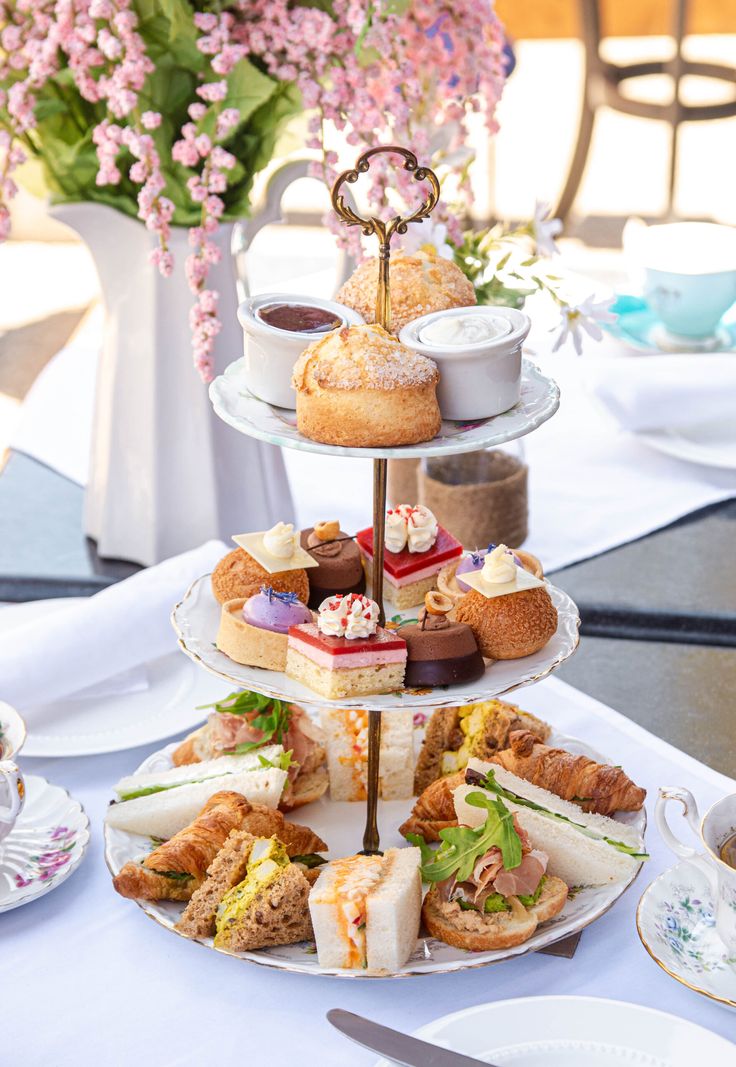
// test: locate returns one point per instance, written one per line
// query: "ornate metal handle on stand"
(384, 230)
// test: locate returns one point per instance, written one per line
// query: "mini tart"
(447, 582)
(420, 284)
(339, 667)
(511, 626)
(340, 568)
(249, 645)
(359, 387)
(239, 575)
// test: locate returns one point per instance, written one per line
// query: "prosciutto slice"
(524, 879)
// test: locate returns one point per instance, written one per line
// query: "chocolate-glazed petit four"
(340, 567)
(440, 652)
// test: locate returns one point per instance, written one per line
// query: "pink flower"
(151, 120)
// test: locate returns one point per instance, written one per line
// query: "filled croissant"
(596, 787)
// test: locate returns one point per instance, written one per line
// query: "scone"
(359, 387)
(238, 576)
(420, 283)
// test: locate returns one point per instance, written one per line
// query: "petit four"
(346, 732)
(440, 652)
(450, 581)
(272, 557)
(507, 608)
(416, 549)
(419, 284)
(340, 564)
(359, 387)
(346, 653)
(254, 631)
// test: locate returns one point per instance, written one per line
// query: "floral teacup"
(12, 786)
(714, 829)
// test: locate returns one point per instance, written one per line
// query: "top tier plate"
(232, 401)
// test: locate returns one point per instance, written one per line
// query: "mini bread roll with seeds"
(359, 387)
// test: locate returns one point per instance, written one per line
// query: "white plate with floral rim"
(676, 923)
(576, 1032)
(196, 619)
(236, 405)
(340, 825)
(46, 845)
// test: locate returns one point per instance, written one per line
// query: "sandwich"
(584, 849)
(365, 910)
(490, 887)
(454, 735)
(346, 735)
(254, 897)
(244, 723)
(175, 869)
(161, 803)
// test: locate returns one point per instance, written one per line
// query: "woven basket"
(479, 496)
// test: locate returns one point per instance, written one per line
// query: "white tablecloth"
(86, 978)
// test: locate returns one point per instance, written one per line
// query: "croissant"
(434, 810)
(594, 786)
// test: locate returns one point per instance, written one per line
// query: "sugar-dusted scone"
(420, 283)
(359, 387)
(346, 732)
(238, 576)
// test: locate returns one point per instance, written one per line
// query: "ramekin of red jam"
(299, 318)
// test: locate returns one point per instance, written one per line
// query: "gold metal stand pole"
(371, 838)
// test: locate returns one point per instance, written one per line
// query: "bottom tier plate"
(196, 619)
(340, 825)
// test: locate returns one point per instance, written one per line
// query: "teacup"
(714, 829)
(689, 275)
(12, 786)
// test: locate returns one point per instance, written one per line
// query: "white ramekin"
(478, 380)
(270, 353)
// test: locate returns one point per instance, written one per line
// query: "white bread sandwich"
(365, 910)
(346, 735)
(584, 849)
(160, 804)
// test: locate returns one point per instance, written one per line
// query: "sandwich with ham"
(245, 722)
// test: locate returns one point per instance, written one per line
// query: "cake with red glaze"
(346, 653)
(416, 550)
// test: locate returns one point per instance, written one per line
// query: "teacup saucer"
(44, 847)
(676, 923)
(638, 325)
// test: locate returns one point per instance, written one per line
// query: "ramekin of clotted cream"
(478, 353)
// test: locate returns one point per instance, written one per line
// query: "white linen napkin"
(656, 392)
(118, 628)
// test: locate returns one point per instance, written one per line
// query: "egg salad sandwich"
(160, 803)
(346, 736)
(365, 910)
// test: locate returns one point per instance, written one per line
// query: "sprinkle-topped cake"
(346, 653)
(416, 549)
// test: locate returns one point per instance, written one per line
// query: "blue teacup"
(689, 275)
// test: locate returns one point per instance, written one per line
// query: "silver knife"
(395, 1046)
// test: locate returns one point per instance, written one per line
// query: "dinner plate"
(166, 703)
(576, 1032)
(676, 923)
(340, 825)
(196, 619)
(236, 405)
(711, 444)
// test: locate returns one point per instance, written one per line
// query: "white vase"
(165, 473)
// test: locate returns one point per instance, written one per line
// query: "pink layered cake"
(416, 549)
(346, 653)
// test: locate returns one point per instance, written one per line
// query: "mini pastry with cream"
(272, 557)
(440, 652)
(419, 284)
(346, 653)
(507, 608)
(416, 549)
(450, 581)
(339, 563)
(359, 387)
(254, 631)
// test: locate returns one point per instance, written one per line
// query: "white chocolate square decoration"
(523, 580)
(254, 546)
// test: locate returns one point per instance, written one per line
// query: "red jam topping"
(299, 318)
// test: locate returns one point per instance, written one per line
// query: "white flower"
(585, 316)
(427, 237)
(544, 230)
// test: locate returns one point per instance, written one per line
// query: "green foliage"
(272, 717)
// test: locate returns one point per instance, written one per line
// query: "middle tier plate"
(196, 619)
